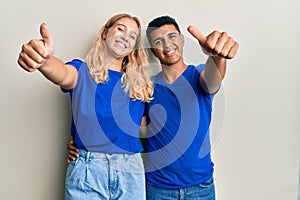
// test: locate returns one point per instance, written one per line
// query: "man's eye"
(173, 36)
(120, 29)
(158, 42)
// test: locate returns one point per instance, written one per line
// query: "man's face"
(167, 44)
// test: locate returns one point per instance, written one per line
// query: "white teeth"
(170, 52)
(121, 44)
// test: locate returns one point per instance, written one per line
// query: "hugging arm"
(72, 151)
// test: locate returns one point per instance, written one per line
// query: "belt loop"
(87, 157)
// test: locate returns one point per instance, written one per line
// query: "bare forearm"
(213, 74)
(57, 72)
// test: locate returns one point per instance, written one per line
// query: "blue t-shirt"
(178, 145)
(104, 118)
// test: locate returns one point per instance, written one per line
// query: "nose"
(125, 37)
(167, 43)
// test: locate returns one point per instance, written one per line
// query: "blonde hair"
(136, 77)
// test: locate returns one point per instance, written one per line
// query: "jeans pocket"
(132, 164)
(208, 183)
(72, 168)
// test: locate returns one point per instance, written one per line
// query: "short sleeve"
(200, 68)
(75, 63)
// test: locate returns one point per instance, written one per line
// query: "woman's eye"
(132, 37)
(120, 29)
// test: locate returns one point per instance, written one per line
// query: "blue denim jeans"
(105, 176)
(203, 191)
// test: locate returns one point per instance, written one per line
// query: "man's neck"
(172, 72)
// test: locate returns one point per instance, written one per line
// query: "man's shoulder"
(199, 67)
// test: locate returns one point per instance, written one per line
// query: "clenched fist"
(216, 44)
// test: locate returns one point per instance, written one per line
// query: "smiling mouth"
(122, 44)
(170, 53)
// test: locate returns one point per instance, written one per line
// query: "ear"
(104, 35)
(182, 38)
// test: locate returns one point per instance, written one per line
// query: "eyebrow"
(173, 33)
(168, 34)
(127, 28)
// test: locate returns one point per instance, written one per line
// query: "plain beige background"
(256, 128)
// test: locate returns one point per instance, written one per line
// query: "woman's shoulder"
(77, 63)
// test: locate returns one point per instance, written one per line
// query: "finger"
(72, 147)
(211, 41)
(220, 43)
(71, 142)
(196, 33)
(233, 51)
(73, 153)
(36, 51)
(25, 66)
(70, 157)
(226, 48)
(46, 35)
(72, 150)
(28, 61)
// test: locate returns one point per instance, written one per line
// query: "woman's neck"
(114, 64)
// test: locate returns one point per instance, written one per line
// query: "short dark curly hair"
(158, 22)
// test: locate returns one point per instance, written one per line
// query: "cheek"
(158, 52)
(133, 44)
(112, 34)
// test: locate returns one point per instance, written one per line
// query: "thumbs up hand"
(216, 44)
(36, 52)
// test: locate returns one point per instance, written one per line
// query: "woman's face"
(121, 38)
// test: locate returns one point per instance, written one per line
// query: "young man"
(178, 162)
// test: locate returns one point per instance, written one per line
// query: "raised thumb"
(196, 33)
(46, 35)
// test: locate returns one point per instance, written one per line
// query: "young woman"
(108, 93)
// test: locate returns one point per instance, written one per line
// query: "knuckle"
(24, 47)
(32, 42)
(230, 39)
(230, 55)
(21, 55)
(30, 70)
(40, 60)
(35, 66)
(237, 45)
(20, 61)
(224, 34)
(216, 32)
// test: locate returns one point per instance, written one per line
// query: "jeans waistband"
(98, 155)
